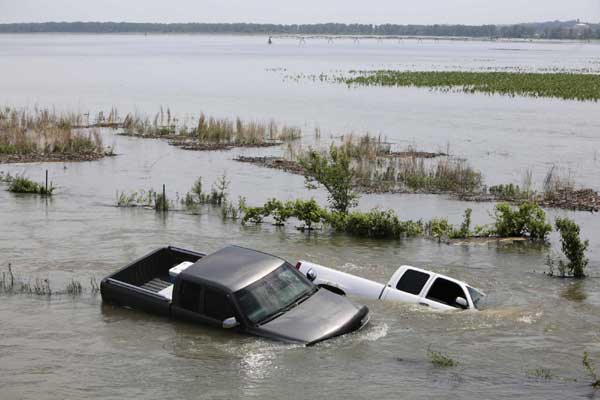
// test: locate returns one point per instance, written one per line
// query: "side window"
(446, 292)
(217, 305)
(412, 281)
(190, 297)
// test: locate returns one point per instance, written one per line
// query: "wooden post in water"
(46, 181)
(164, 200)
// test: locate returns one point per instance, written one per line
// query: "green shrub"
(528, 220)
(572, 247)
(465, 227)
(279, 210)
(439, 228)
(253, 214)
(375, 224)
(334, 172)
(308, 212)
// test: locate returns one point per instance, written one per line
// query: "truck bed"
(137, 285)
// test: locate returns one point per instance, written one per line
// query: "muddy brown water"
(75, 347)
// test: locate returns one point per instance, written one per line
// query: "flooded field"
(528, 342)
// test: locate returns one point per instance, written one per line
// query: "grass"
(541, 373)
(26, 132)
(11, 284)
(377, 168)
(208, 130)
(567, 86)
(149, 199)
(21, 184)
(591, 370)
(440, 359)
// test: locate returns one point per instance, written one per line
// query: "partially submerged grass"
(377, 168)
(568, 86)
(541, 373)
(12, 284)
(591, 370)
(143, 198)
(440, 359)
(208, 132)
(40, 134)
(21, 184)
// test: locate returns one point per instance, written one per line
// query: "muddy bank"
(57, 157)
(199, 146)
(566, 199)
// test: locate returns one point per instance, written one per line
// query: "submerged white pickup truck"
(408, 285)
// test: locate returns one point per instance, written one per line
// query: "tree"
(572, 247)
(332, 170)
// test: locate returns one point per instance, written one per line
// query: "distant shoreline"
(555, 30)
(276, 37)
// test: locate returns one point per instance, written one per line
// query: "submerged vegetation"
(440, 359)
(573, 249)
(566, 86)
(591, 371)
(367, 164)
(13, 284)
(43, 135)
(204, 132)
(20, 184)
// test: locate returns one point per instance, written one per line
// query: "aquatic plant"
(572, 247)
(541, 373)
(509, 192)
(568, 86)
(20, 184)
(589, 368)
(74, 288)
(26, 133)
(208, 132)
(143, 198)
(95, 287)
(440, 359)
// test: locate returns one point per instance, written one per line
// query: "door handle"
(424, 304)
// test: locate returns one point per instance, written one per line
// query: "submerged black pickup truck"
(234, 288)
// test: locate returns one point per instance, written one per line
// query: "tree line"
(542, 30)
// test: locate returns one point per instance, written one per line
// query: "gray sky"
(301, 11)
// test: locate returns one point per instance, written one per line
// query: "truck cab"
(414, 285)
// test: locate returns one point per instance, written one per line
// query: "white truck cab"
(408, 284)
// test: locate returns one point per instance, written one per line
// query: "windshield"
(476, 296)
(273, 294)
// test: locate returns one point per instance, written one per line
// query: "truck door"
(442, 294)
(189, 302)
(408, 288)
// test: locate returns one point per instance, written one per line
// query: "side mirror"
(311, 275)
(230, 323)
(462, 302)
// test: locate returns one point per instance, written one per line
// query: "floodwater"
(64, 347)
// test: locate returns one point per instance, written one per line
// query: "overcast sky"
(301, 11)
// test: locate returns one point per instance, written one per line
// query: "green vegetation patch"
(568, 86)
(20, 184)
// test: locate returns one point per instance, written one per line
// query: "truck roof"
(232, 267)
